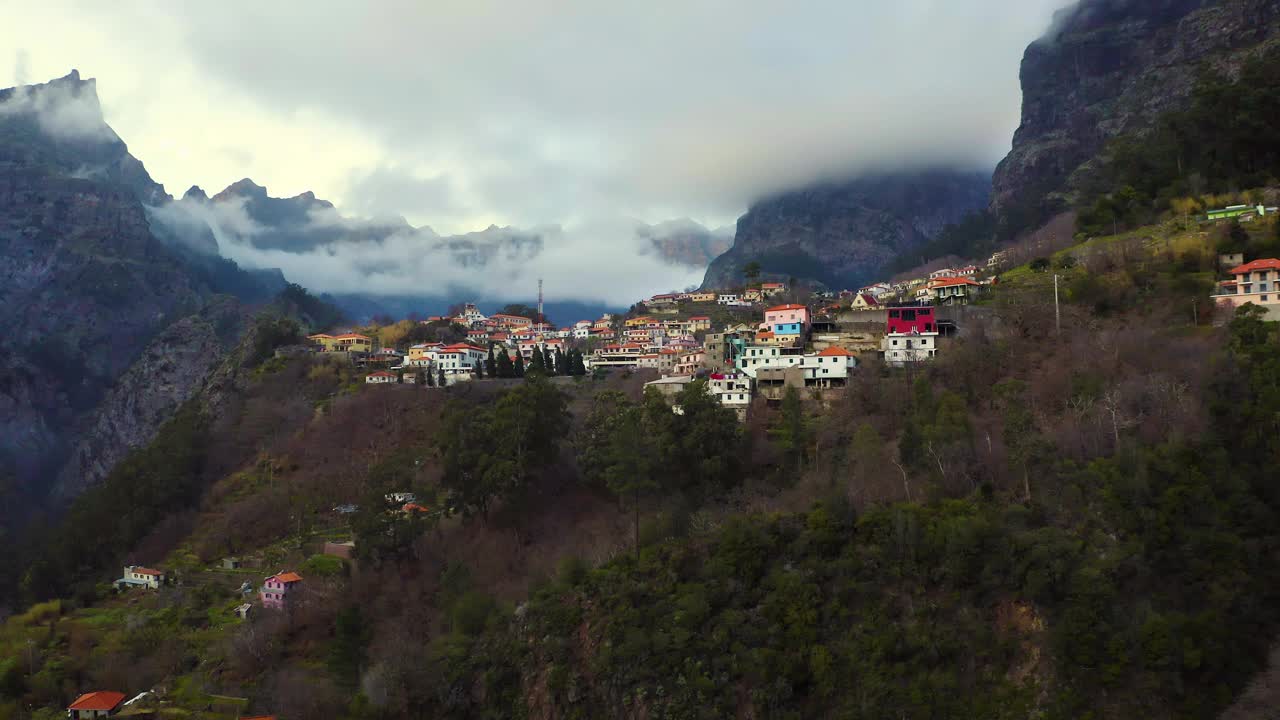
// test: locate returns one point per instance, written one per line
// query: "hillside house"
(702, 297)
(770, 289)
(732, 390)
(381, 377)
(1235, 211)
(942, 273)
(785, 314)
(511, 322)
(865, 301)
(911, 335)
(953, 291)
(280, 589)
(752, 295)
(352, 342)
(664, 299)
(728, 299)
(100, 704)
(625, 355)
(138, 576)
(461, 358)
(1256, 282)
(997, 260)
(689, 362)
(699, 323)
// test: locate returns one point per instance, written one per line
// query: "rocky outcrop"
(685, 242)
(167, 373)
(844, 234)
(1108, 67)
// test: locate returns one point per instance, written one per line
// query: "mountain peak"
(242, 188)
(195, 192)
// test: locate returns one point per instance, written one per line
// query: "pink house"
(277, 589)
(786, 315)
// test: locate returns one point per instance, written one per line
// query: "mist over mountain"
(843, 234)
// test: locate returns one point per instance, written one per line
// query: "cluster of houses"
(946, 286)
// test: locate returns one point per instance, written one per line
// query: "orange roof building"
(95, 704)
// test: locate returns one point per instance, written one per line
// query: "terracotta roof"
(319, 336)
(463, 346)
(1261, 264)
(287, 577)
(101, 700)
(351, 336)
(382, 373)
(951, 282)
(147, 571)
(836, 352)
(699, 317)
(414, 507)
(780, 308)
(868, 299)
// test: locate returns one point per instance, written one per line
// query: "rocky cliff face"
(85, 287)
(166, 374)
(843, 234)
(685, 242)
(1108, 67)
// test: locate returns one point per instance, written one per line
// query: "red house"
(911, 321)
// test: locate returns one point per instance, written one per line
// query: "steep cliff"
(1108, 67)
(88, 281)
(169, 371)
(844, 234)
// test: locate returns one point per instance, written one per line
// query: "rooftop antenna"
(541, 318)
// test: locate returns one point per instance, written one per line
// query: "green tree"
(1026, 446)
(619, 451)
(793, 431)
(440, 381)
(351, 635)
(506, 369)
(491, 364)
(519, 368)
(751, 272)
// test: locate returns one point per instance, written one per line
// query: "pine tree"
(430, 377)
(479, 370)
(579, 364)
(562, 363)
(440, 382)
(535, 361)
(519, 371)
(505, 367)
(491, 364)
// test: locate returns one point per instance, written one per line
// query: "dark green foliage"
(493, 453)
(318, 314)
(491, 364)
(107, 520)
(506, 369)
(351, 635)
(519, 369)
(1226, 140)
(1039, 264)
(440, 380)
(975, 236)
(268, 333)
(619, 450)
(793, 432)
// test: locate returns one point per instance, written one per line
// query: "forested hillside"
(1065, 523)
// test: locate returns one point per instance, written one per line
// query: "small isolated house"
(138, 576)
(96, 705)
(278, 589)
(380, 377)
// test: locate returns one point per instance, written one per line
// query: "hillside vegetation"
(1073, 524)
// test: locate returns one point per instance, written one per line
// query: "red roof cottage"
(96, 704)
(1256, 282)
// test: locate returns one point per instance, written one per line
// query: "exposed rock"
(843, 234)
(169, 371)
(1108, 67)
(685, 242)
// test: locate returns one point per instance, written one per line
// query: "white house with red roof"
(100, 704)
(460, 358)
(380, 377)
(279, 589)
(952, 291)
(1256, 282)
(138, 576)
(770, 289)
(865, 301)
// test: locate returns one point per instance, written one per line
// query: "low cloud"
(598, 261)
(63, 110)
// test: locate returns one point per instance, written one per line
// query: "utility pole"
(541, 319)
(1057, 312)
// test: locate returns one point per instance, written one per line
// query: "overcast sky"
(531, 113)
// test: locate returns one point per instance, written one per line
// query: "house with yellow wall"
(346, 342)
